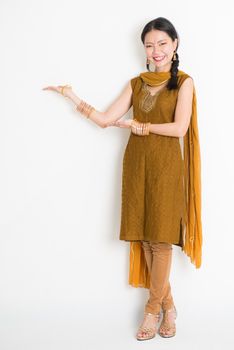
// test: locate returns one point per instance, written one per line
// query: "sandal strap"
(155, 315)
(151, 330)
(167, 325)
(147, 329)
(173, 309)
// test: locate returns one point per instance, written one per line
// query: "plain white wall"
(63, 269)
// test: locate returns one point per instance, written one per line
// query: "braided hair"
(165, 25)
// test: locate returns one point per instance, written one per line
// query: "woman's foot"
(168, 328)
(149, 326)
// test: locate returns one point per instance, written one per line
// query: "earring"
(174, 56)
(147, 65)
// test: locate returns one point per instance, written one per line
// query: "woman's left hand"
(124, 123)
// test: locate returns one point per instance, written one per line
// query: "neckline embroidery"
(145, 86)
(147, 100)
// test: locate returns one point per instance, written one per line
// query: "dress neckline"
(145, 87)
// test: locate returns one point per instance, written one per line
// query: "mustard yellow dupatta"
(139, 275)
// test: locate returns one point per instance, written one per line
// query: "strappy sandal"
(168, 328)
(150, 332)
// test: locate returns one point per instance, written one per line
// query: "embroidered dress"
(153, 203)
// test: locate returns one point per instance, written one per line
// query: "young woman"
(161, 185)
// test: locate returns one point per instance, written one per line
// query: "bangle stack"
(85, 108)
(139, 128)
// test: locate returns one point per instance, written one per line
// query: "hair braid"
(172, 84)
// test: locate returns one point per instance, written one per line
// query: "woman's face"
(159, 49)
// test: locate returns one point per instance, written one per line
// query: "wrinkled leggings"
(158, 258)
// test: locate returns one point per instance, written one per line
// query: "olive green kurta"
(153, 202)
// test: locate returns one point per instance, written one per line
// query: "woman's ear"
(175, 43)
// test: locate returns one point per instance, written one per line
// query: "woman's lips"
(158, 59)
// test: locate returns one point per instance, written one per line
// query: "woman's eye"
(160, 44)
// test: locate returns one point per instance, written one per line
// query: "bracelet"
(139, 128)
(69, 86)
(85, 108)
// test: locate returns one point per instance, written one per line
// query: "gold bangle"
(69, 86)
(138, 128)
(85, 108)
(135, 126)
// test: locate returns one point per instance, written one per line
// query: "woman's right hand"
(65, 91)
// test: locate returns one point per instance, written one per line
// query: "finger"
(52, 88)
(48, 88)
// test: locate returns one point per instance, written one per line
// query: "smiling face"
(159, 49)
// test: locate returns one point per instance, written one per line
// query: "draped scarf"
(139, 275)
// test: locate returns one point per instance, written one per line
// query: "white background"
(63, 269)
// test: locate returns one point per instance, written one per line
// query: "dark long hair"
(165, 25)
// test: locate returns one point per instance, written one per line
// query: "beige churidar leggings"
(158, 258)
